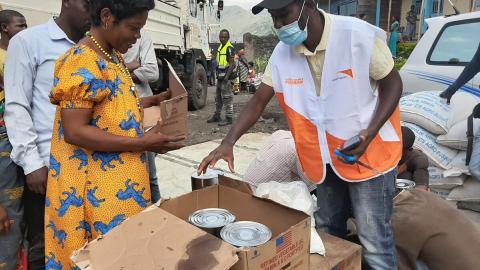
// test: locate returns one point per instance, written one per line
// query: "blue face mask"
(291, 34)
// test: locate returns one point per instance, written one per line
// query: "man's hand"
(4, 221)
(37, 180)
(366, 138)
(224, 151)
(447, 95)
(155, 141)
(155, 100)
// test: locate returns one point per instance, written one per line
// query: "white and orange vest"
(321, 124)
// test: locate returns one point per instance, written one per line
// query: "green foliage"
(261, 63)
(404, 51)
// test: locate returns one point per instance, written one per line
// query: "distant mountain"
(240, 21)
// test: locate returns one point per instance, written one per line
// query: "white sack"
(439, 156)
(462, 104)
(426, 110)
(469, 192)
(294, 195)
(438, 181)
(456, 136)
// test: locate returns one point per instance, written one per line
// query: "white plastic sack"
(462, 104)
(456, 136)
(457, 167)
(442, 193)
(469, 192)
(294, 195)
(426, 110)
(439, 156)
(438, 181)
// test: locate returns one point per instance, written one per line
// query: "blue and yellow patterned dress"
(89, 192)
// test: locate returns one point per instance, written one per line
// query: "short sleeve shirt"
(381, 62)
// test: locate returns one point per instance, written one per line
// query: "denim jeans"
(474, 165)
(371, 203)
(11, 190)
(155, 189)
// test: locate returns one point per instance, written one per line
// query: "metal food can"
(209, 178)
(211, 220)
(404, 184)
(246, 234)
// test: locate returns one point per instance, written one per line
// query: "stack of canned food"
(221, 223)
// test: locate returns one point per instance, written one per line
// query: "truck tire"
(197, 96)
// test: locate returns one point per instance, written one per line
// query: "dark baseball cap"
(271, 4)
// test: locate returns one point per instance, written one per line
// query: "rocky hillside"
(240, 21)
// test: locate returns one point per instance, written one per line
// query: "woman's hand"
(155, 100)
(154, 141)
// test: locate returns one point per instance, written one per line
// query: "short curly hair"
(121, 9)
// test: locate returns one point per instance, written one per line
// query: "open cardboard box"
(170, 114)
(161, 238)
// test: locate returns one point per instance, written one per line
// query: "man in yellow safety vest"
(226, 73)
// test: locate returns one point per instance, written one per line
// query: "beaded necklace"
(119, 62)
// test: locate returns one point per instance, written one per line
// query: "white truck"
(179, 30)
(442, 53)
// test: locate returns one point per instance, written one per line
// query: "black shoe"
(226, 122)
(214, 119)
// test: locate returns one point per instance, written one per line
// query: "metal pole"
(420, 25)
(438, 7)
(473, 5)
(329, 6)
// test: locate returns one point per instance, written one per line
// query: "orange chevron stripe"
(348, 72)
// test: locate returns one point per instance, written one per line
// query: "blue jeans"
(154, 188)
(11, 190)
(474, 165)
(371, 203)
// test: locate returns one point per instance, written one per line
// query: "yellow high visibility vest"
(222, 59)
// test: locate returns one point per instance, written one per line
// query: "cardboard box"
(161, 238)
(290, 243)
(170, 114)
(155, 239)
(341, 254)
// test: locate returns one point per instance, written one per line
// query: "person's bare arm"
(231, 66)
(390, 91)
(248, 117)
(78, 131)
(155, 100)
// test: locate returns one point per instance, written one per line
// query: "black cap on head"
(271, 4)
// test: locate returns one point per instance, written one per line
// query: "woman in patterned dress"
(98, 172)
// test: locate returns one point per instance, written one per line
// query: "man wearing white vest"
(334, 78)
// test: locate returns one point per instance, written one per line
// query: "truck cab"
(442, 53)
(179, 30)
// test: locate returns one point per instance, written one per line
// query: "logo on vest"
(292, 81)
(344, 74)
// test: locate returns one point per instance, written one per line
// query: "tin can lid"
(211, 218)
(405, 184)
(209, 174)
(246, 234)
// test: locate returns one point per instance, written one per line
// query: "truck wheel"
(198, 93)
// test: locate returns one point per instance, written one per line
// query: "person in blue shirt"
(467, 74)
(29, 115)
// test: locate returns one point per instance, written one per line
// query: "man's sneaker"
(214, 119)
(226, 122)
